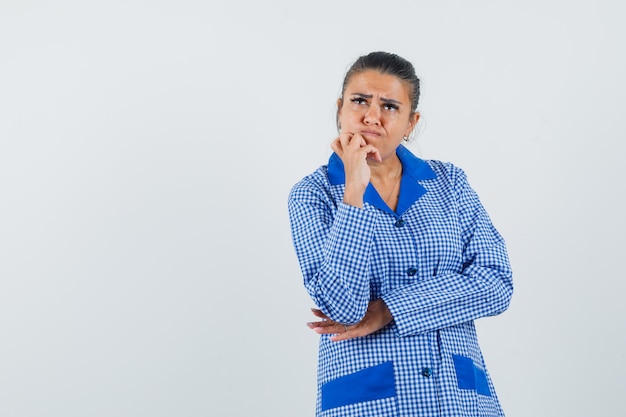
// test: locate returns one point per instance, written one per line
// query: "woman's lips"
(369, 133)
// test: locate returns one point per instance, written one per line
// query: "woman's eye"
(358, 100)
(391, 107)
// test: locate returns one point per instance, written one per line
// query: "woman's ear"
(339, 105)
(413, 119)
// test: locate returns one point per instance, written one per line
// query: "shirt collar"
(414, 169)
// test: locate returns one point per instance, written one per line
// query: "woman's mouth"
(369, 133)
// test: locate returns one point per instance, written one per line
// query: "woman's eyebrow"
(383, 99)
(390, 100)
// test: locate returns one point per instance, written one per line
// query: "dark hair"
(386, 63)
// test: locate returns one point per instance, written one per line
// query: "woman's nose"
(372, 115)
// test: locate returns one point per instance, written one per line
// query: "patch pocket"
(469, 376)
(369, 384)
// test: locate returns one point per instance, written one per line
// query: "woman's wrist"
(354, 196)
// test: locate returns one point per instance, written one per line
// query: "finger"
(349, 333)
(334, 328)
(375, 156)
(373, 153)
(340, 143)
(358, 146)
(320, 324)
(318, 313)
(345, 139)
(323, 323)
(356, 141)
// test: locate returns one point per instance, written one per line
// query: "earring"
(405, 138)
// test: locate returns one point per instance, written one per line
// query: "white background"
(148, 147)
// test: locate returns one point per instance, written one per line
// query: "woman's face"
(377, 106)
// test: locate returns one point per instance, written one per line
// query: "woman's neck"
(387, 171)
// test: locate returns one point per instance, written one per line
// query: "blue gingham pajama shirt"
(437, 262)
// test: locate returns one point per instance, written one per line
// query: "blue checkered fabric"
(437, 262)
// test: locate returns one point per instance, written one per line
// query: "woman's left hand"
(376, 317)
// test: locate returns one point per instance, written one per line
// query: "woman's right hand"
(354, 153)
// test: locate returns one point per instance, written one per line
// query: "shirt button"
(399, 223)
(427, 372)
(411, 271)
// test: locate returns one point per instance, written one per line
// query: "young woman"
(400, 258)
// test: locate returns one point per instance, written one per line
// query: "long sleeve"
(333, 242)
(483, 287)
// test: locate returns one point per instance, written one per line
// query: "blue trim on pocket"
(469, 376)
(369, 384)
